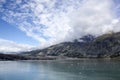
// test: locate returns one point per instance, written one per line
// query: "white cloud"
(10, 46)
(55, 21)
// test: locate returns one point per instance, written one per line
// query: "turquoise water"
(60, 70)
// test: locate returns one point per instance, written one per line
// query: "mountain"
(106, 45)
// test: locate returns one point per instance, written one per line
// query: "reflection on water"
(60, 70)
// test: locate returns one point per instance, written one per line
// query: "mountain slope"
(107, 45)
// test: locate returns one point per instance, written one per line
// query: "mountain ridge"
(106, 45)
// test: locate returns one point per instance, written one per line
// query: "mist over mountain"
(107, 45)
(50, 22)
(89, 46)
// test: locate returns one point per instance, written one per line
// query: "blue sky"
(28, 24)
(12, 33)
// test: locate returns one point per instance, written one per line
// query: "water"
(60, 70)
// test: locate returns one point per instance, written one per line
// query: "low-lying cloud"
(10, 46)
(55, 21)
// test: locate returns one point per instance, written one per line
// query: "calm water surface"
(60, 70)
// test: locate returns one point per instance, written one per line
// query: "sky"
(36, 24)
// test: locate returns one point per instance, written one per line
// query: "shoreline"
(14, 57)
